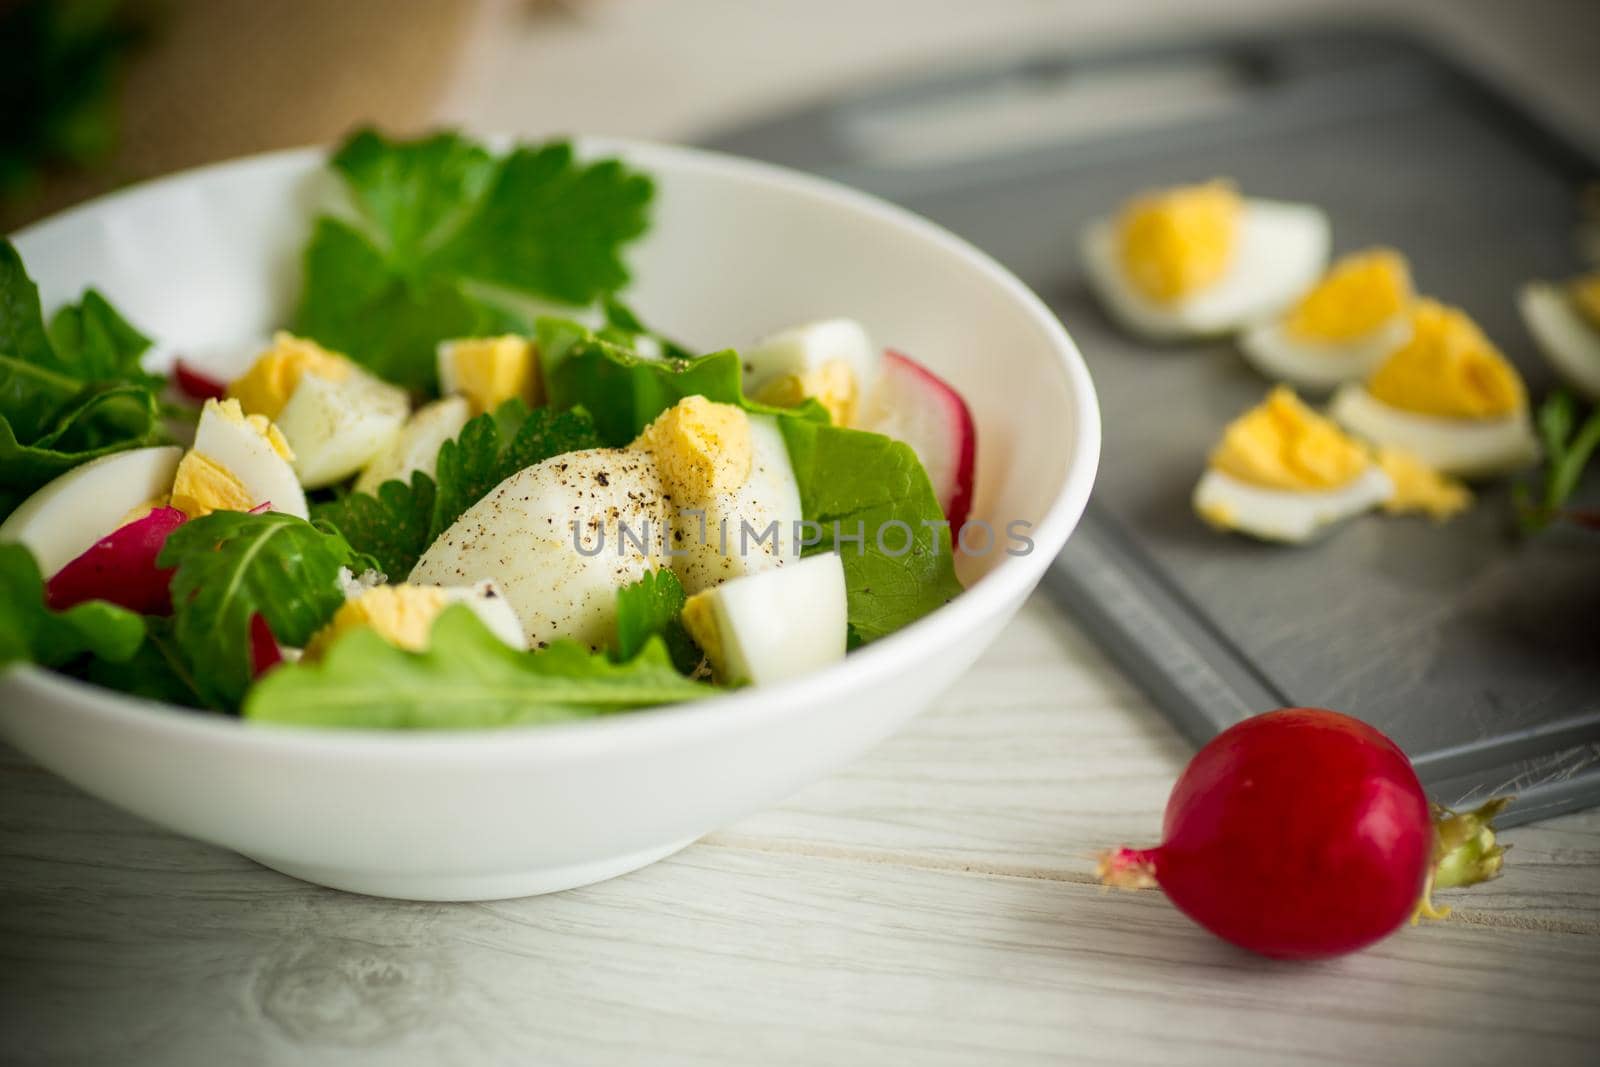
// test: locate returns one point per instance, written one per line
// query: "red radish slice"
(264, 651)
(197, 385)
(914, 405)
(1303, 833)
(121, 568)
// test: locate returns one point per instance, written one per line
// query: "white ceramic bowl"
(207, 263)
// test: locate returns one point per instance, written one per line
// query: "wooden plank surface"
(933, 904)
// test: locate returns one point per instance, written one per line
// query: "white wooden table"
(934, 903)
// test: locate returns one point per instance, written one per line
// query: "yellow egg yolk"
(271, 380)
(1175, 242)
(403, 615)
(833, 384)
(488, 371)
(1282, 444)
(1360, 294)
(1586, 296)
(1448, 368)
(203, 485)
(699, 617)
(700, 447)
(262, 426)
(1420, 488)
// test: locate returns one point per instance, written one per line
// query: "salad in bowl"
(335, 466)
(464, 485)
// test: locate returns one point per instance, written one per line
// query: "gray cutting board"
(1476, 651)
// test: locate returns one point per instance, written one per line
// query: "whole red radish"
(915, 405)
(197, 384)
(121, 567)
(1303, 833)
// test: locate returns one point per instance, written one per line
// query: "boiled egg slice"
(488, 371)
(559, 538)
(1342, 329)
(1200, 260)
(734, 499)
(403, 615)
(416, 447)
(1284, 473)
(1447, 396)
(63, 518)
(768, 627)
(238, 462)
(1565, 321)
(833, 360)
(335, 416)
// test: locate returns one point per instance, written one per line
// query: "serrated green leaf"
(652, 607)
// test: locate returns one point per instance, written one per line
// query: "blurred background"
(95, 94)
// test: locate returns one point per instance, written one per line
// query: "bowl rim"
(1011, 580)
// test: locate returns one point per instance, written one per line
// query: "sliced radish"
(915, 405)
(264, 651)
(196, 384)
(121, 568)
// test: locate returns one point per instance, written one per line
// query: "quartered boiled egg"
(1447, 396)
(488, 371)
(833, 360)
(1200, 260)
(416, 448)
(734, 498)
(680, 496)
(764, 628)
(1283, 473)
(335, 416)
(1343, 328)
(64, 517)
(1565, 321)
(238, 462)
(403, 615)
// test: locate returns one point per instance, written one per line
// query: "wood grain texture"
(933, 904)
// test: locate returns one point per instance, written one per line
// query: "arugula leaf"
(398, 524)
(1568, 447)
(466, 679)
(69, 394)
(854, 481)
(156, 670)
(30, 630)
(651, 608)
(451, 238)
(231, 565)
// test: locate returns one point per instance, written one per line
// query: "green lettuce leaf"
(652, 608)
(451, 239)
(232, 565)
(30, 631)
(156, 670)
(466, 679)
(852, 481)
(398, 524)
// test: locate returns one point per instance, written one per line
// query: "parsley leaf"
(450, 238)
(653, 607)
(398, 524)
(31, 631)
(232, 565)
(1568, 447)
(465, 679)
(69, 394)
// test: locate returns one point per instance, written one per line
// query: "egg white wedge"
(489, 604)
(1463, 447)
(1568, 340)
(236, 446)
(337, 427)
(560, 582)
(67, 515)
(416, 446)
(1281, 249)
(835, 359)
(1283, 515)
(1320, 366)
(768, 627)
(728, 541)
